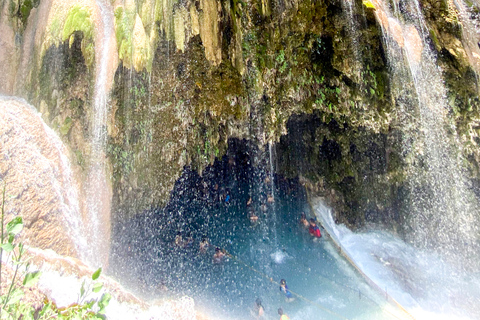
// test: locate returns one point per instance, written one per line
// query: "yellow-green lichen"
(368, 4)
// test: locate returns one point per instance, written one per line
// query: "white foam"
(423, 283)
(279, 256)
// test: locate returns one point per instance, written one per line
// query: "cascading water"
(98, 192)
(273, 218)
(354, 35)
(442, 207)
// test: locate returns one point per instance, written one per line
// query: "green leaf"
(97, 287)
(31, 278)
(7, 247)
(46, 308)
(104, 301)
(96, 274)
(15, 296)
(15, 226)
(82, 289)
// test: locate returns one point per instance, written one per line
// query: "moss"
(66, 126)
(80, 159)
(78, 19)
(124, 24)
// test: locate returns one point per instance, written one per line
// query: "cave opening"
(217, 204)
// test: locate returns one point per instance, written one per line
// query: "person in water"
(303, 220)
(284, 288)
(218, 256)
(179, 240)
(258, 311)
(263, 207)
(314, 230)
(253, 217)
(270, 198)
(204, 244)
(283, 316)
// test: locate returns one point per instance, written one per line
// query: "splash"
(421, 281)
(441, 212)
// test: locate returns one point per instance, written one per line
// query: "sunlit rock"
(210, 30)
(38, 181)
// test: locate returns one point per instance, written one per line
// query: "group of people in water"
(258, 311)
(204, 244)
(220, 255)
(252, 215)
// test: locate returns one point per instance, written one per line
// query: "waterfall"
(441, 205)
(272, 190)
(98, 192)
(353, 32)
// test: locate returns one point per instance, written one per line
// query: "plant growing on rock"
(12, 306)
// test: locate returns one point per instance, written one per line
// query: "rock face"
(38, 181)
(193, 74)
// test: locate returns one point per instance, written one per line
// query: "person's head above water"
(312, 221)
(280, 311)
(258, 302)
(283, 282)
(303, 215)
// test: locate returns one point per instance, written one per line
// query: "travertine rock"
(39, 185)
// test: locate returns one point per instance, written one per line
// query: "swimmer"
(253, 217)
(270, 199)
(204, 244)
(314, 230)
(284, 288)
(283, 316)
(263, 207)
(258, 310)
(179, 240)
(218, 256)
(303, 220)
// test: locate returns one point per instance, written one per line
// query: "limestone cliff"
(192, 74)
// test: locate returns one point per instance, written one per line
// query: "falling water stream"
(97, 187)
(442, 206)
